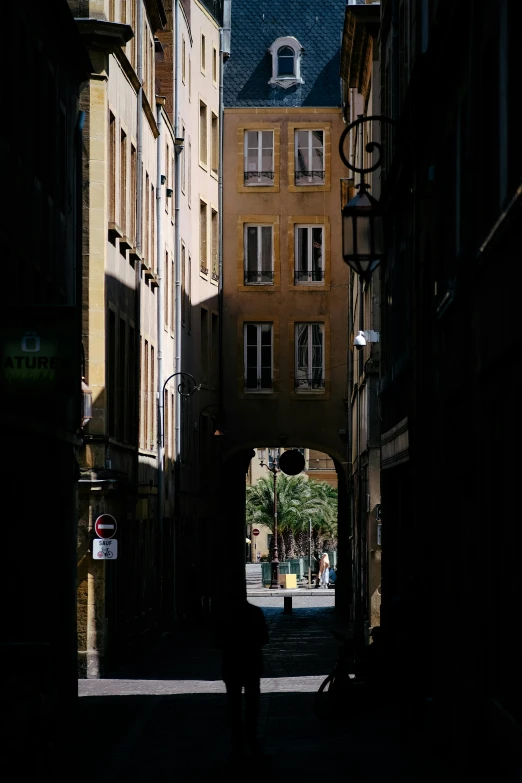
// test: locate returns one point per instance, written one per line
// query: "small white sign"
(104, 549)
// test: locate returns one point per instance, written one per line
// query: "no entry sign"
(105, 526)
(255, 531)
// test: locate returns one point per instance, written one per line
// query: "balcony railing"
(259, 384)
(314, 276)
(257, 278)
(203, 269)
(309, 177)
(309, 384)
(259, 177)
(320, 464)
(215, 276)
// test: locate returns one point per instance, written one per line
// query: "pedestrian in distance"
(241, 632)
(324, 570)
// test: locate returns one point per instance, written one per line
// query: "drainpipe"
(224, 54)
(160, 304)
(139, 227)
(177, 249)
(177, 306)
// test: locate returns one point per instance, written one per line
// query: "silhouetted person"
(240, 633)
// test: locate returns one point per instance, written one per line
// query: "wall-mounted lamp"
(86, 403)
(169, 192)
(179, 143)
(363, 245)
(163, 179)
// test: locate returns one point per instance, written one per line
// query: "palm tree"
(298, 501)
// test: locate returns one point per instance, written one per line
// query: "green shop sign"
(40, 352)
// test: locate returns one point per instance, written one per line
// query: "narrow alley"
(164, 717)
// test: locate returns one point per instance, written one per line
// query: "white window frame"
(309, 384)
(308, 180)
(309, 279)
(262, 177)
(258, 388)
(268, 273)
(286, 81)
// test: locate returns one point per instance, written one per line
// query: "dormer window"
(286, 62)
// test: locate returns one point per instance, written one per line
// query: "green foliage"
(298, 501)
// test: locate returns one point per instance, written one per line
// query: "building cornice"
(361, 28)
(157, 14)
(100, 35)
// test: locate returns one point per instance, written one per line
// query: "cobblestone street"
(166, 714)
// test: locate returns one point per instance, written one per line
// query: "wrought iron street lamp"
(192, 387)
(362, 217)
(274, 470)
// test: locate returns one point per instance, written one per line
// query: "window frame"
(203, 134)
(310, 349)
(293, 128)
(258, 389)
(313, 221)
(203, 270)
(286, 80)
(258, 220)
(310, 149)
(309, 253)
(247, 181)
(241, 142)
(247, 227)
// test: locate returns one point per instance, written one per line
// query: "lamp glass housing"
(363, 236)
(261, 454)
(86, 403)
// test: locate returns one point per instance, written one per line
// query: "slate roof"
(256, 24)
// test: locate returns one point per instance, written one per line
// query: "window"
(258, 352)
(152, 398)
(147, 219)
(286, 62)
(214, 64)
(190, 78)
(309, 254)
(309, 157)
(133, 195)
(123, 181)
(166, 292)
(173, 294)
(259, 157)
(146, 395)
(214, 152)
(189, 300)
(112, 167)
(167, 176)
(120, 382)
(259, 259)
(153, 228)
(309, 357)
(189, 190)
(215, 248)
(203, 257)
(183, 285)
(215, 351)
(202, 133)
(182, 164)
(183, 60)
(203, 54)
(204, 345)
(112, 374)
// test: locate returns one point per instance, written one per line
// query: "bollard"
(288, 604)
